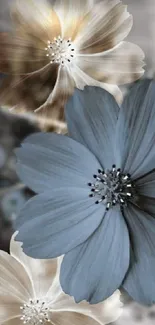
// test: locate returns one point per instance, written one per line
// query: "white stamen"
(111, 187)
(126, 177)
(35, 312)
(60, 51)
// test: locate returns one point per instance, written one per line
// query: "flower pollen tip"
(112, 187)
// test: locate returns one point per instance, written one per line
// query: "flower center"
(60, 51)
(112, 187)
(35, 312)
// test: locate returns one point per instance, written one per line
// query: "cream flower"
(30, 293)
(72, 44)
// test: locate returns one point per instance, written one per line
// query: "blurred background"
(14, 128)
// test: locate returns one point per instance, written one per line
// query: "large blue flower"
(96, 201)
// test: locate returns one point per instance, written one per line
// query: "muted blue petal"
(146, 185)
(135, 136)
(140, 280)
(46, 161)
(54, 222)
(91, 118)
(95, 269)
(147, 204)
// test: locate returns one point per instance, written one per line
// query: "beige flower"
(72, 44)
(30, 293)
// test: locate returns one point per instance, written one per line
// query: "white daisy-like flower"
(30, 293)
(70, 44)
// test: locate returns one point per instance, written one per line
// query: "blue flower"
(96, 195)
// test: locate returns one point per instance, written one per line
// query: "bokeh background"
(14, 128)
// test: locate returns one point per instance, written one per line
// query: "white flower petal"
(82, 79)
(9, 308)
(13, 321)
(15, 287)
(36, 18)
(73, 15)
(55, 290)
(64, 87)
(109, 23)
(41, 272)
(71, 318)
(105, 312)
(14, 279)
(121, 65)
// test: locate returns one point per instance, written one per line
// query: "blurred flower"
(11, 204)
(3, 156)
(96, 201)
(30, 293)
(26, 122)
(134, 314)
(72, 44)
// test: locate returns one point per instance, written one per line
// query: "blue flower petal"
(91, 117)
(54, 222)
(147, 204)
(146, 185)
(46, 161)
(95, 269)
(140, 280)
(135, 136)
